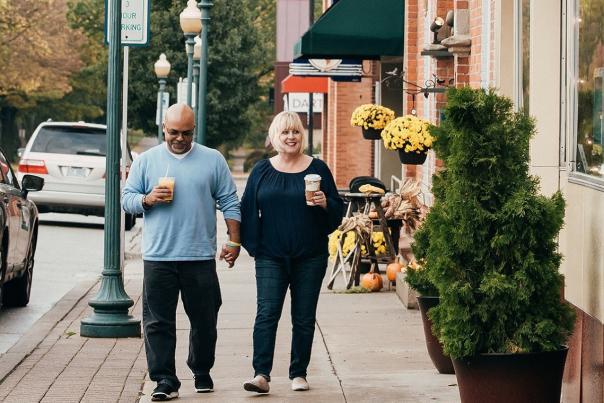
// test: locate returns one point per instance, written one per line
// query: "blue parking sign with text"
(136, 16)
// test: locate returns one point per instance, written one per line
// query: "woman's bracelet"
(233, 244)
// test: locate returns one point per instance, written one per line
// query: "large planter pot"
(441, 361)
(371, 133)
(412, 158)
(518, 378)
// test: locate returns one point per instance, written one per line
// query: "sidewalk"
(368, 348)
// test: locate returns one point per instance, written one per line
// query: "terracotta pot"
(441, 361)
(411, 158)
(371, 133)
(518, 378)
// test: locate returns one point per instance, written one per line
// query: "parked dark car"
(19, 225)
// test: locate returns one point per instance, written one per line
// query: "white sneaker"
(259, 385)
(300, 384)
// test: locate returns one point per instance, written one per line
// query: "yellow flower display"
(379, 243)
(377, 238)
(371, 116)
(409, 133)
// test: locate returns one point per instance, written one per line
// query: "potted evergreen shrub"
(490, 247)
(417, 278)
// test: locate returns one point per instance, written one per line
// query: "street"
(69, 250)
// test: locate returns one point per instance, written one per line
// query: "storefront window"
(590, 91)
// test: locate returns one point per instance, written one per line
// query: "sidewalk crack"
(333, 367)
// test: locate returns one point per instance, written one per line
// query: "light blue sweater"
(186, 228)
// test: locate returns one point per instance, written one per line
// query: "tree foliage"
(37, 60)
(60, 71)
(36, 49)
(489, 241)
(236, 58)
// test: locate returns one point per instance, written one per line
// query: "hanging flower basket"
(410, 136)
(371, 119)
(411, 157)
(371, 133)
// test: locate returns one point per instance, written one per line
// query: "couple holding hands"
(282, 229)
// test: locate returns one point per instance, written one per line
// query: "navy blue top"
(275, 220)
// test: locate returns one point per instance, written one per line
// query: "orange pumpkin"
(380, 281)
(371, 282)
(392, 269)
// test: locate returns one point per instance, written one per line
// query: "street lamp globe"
(162, 66)
(197, 48)
(190, 18)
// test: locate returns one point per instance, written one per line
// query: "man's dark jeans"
(273, 276)
(198, 283)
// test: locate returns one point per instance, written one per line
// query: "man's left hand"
(230, 254)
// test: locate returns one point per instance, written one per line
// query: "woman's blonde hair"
(285, 121)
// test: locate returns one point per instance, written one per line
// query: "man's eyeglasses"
(176, 133)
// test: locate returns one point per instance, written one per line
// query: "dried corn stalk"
(360, 224)
(404, 205)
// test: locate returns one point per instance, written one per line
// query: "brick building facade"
(547, 72)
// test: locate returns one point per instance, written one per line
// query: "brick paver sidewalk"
(368, 348)
(68, 368)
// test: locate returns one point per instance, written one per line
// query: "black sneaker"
(204, 384)
(164, 391)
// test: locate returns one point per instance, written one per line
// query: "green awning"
(365, 29)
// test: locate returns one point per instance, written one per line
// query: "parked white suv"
(70, 156)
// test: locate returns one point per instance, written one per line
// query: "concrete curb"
(42, 327)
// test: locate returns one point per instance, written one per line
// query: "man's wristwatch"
(146, 206)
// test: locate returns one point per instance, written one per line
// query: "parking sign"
(135, 22)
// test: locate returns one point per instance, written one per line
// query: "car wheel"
(130, 220)
(18, 291)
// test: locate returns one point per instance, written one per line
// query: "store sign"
(298, 102)
(337, 69)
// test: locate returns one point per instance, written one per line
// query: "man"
(179, 246)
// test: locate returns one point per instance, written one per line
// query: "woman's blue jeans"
(273, 277)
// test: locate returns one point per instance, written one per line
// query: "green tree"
(36, 60)
(236, 55)
(241, 53)
(264, 20)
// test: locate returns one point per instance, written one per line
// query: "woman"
(288, 238)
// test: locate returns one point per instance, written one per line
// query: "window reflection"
(590, 130)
